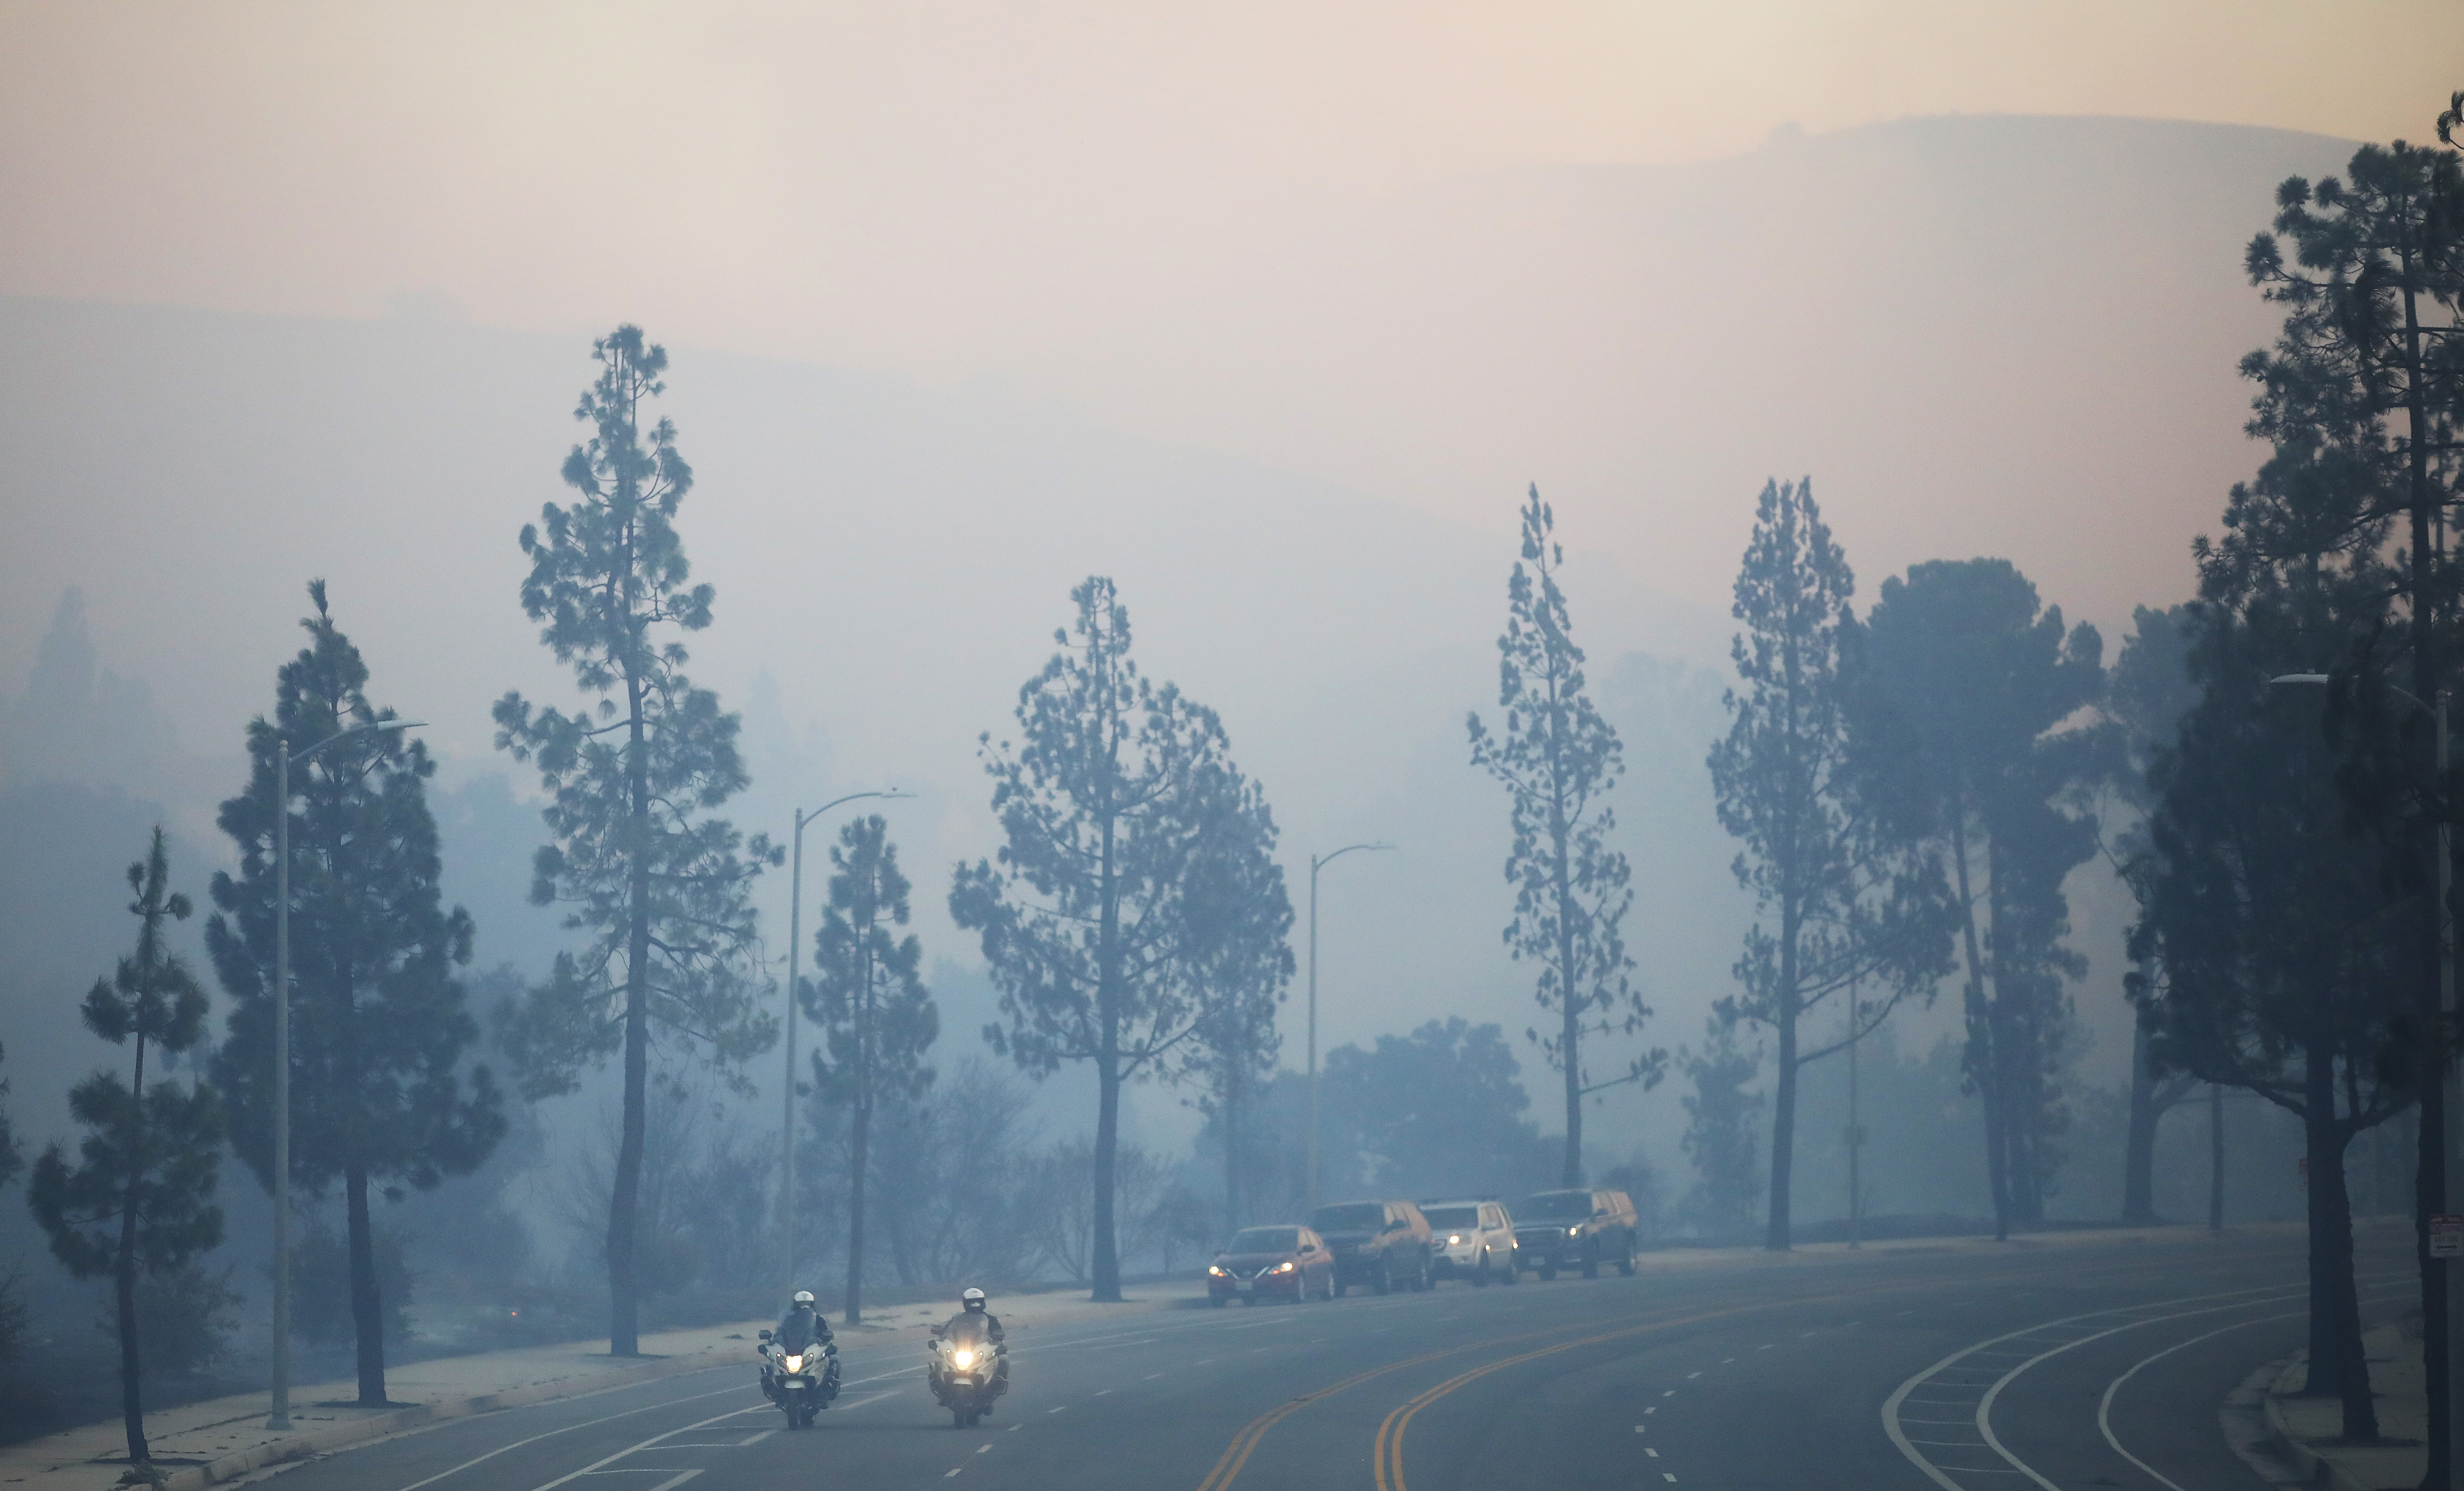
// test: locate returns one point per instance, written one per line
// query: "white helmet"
(972, 1300)
(803, 1297)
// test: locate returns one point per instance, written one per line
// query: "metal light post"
(788, 1101)
(1856, 1135)
(2441, 1105)
(278, 1415)
(1318, 862)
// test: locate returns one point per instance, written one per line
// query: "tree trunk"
(2215, 1157)
(1783, 1160)
(1573, 1030)
(1232, 1156)
(624, 1201)
(859, 1158)
(367, 1309)
(1997, 1175)
(2139, 1148)
(124, 1273)
(1108, 1139)
(2338, 1365)
(1981, 1054)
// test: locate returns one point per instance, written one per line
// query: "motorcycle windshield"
(969, 1330)
(794, 1334)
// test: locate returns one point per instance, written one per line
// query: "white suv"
(1471, 1239)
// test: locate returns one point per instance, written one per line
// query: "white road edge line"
(1900, 1394)
(610, 1459)
(568, 1429)
(674, 1481)
(2104, 1404)
(1985, 1408)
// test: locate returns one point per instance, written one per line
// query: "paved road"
(1975, 1371)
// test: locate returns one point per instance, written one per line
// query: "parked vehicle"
(1577, 1229)
(1471, 1239)
(962, 1366)
(1271, 1263)
(1378, 1243)
(802, 1377)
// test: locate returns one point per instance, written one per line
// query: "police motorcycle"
(963, 1367)
(801, 1376)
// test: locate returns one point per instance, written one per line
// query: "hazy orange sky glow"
(789, 179)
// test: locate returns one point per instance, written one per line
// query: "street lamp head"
(1318, 862)
(2299, 678)
(363, 727)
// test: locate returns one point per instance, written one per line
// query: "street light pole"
(1856, 1135)
(2442, 1302)
(278, 1410)
(787, 1097)
(1318, 862)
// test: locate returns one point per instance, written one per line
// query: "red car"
(1271, 1263)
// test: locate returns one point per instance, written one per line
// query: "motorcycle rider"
(800, 1328)
(972, 1306)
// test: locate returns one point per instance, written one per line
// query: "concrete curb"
(318, 1441)
(2314, 1468)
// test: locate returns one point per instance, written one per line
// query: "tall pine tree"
(1981, 674)
(1558, 759)
(877, 1018)
(381, 1098)
(662, 888)
(1120, 809)
(1850, 898)
(140, 1201)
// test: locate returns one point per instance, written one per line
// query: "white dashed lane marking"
(982, 1448)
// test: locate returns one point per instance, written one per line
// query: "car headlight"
(1452, 1238)
(963, 1358)
(795, 1363)
(1574, 1231)
(1285, 1266)
(1217, 1269)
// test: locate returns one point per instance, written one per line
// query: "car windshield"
(1265, 1239)
(1556, 1206)
(1457, 1217)
(1355, 1216)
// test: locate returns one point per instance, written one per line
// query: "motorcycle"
(801, 1382)
(964, 1373)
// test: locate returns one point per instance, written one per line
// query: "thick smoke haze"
(967, 305)
(1978, 335)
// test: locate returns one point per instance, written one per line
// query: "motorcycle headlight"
(1452, 1238)
(795, 1363)
(963, 1358)
(1285, 1266)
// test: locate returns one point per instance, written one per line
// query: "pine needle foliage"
(661, 888)
(1558, 759)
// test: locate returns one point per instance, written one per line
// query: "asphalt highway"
(2056, 1365)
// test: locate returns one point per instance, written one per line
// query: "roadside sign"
(2447, 1236)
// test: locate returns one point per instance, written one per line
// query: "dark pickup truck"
(1576, 1229)
(1378, 1243)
